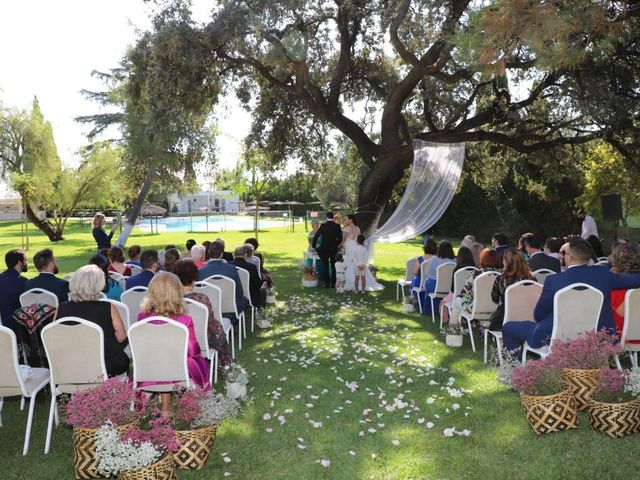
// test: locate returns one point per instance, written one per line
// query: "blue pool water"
(200, 224)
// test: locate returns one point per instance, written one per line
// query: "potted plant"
(137, 454)
(87, 411)
(236, 380)
(409, 304)
(309, 276)
(581, 360)
(263, 320)
(453, 335)
(271, 296)
(547, 403)
(614, 410)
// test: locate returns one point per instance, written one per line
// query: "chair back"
(123, 310)
(423, 273)
(118, 277)
(520, 300)
(159, 349)
(444, 275)
(228, 289)
(631, 331)
(410, 265)
(460, 278)
(603, 259)
(214, 294)
(135, 269)
(75, 351)
(199, 313)
(541, 274)
(39, 295)
(132, 298)
(245, 279)
(483, 304)
(10, 378)
(576, 310)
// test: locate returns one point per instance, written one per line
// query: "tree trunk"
(43, 225)
(134, 213)
(377, 186)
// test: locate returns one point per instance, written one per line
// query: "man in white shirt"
(588, 225)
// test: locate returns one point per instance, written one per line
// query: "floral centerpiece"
(410, 303)
(137, 454)
(613, 407)
(271, 295)
(546, 403)
(453, 334)
(89, 410)
(582, 359)
(236, 380)
(309, 275)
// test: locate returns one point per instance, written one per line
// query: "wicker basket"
(550, 413)
(85, 463)
(163, 469)
(195, 446)
(582, 384)
(616, 420)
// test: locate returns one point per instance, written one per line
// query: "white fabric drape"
(433, 182)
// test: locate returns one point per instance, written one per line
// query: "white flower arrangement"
(116, 456)
(235, 373)
(632, 382)
(214, 408)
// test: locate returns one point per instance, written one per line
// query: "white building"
(218, 201)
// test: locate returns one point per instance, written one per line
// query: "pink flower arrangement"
(589, 351)
(611, 386)
(186, 407)
(537, 377)
(160, 435)
(111, 401)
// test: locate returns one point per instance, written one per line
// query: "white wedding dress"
(350, 234)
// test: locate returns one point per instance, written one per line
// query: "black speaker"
(611, 207)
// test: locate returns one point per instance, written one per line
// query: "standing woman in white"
(588, 225)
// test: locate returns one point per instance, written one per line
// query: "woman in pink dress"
(165, 298)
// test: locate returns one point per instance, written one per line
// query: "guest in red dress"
(625, 258)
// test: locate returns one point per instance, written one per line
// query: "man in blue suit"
(217, 266)
(149, 263)
(577, 257)
(46, 264)
(12, 285)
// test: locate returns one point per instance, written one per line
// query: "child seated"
(340, 269)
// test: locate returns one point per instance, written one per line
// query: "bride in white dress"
(350, 233)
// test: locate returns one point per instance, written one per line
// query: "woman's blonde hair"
(165, 296)
(86, 284)
(98, 220)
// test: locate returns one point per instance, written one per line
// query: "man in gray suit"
(217, 266)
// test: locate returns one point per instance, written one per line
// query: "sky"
(49, 48)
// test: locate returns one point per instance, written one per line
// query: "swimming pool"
(219, 223)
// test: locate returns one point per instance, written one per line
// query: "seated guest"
(251, 256)
(206, 244)
(86, 284)
(116, 259)
(171, 256)
(315, 225)
(552, 247)
(464, 258)
(515, 269)
(500, 242)
(537, 258)
(150, 264)
(445, 255)
(264, 274)
(255, 283)
(12, 285)
(226, 256)
(134, 255)
(467, 241)
(100, 236)
(596, 246)
(430, 250)
(625, 258)
(197, 254)
(189, 245)
(217, 266)
(187, 272)
(45, 263)
(112, 288)
(476, 249)
(537, 333)
(254, 243)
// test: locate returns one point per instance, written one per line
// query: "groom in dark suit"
(326, 242)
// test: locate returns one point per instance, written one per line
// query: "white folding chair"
(460, 277)
(228, 289)
(541, 274)
(630, 338)
(75, 352)
(159, 334)
(423, 280)
(602, 262)
(408, 278)
(199, 313)
(603, 259)
(12, 382)
(520, 300)
(214, 294)
(444, 275)
(135, 269)
(121, 279)
(483, 305)
(39, 295)
(123, 310)
(245, 280)
(132, 298)
(576, 310)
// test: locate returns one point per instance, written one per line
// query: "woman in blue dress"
(445, 255)
(430, 249)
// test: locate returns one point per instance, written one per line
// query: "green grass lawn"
(356, 381)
